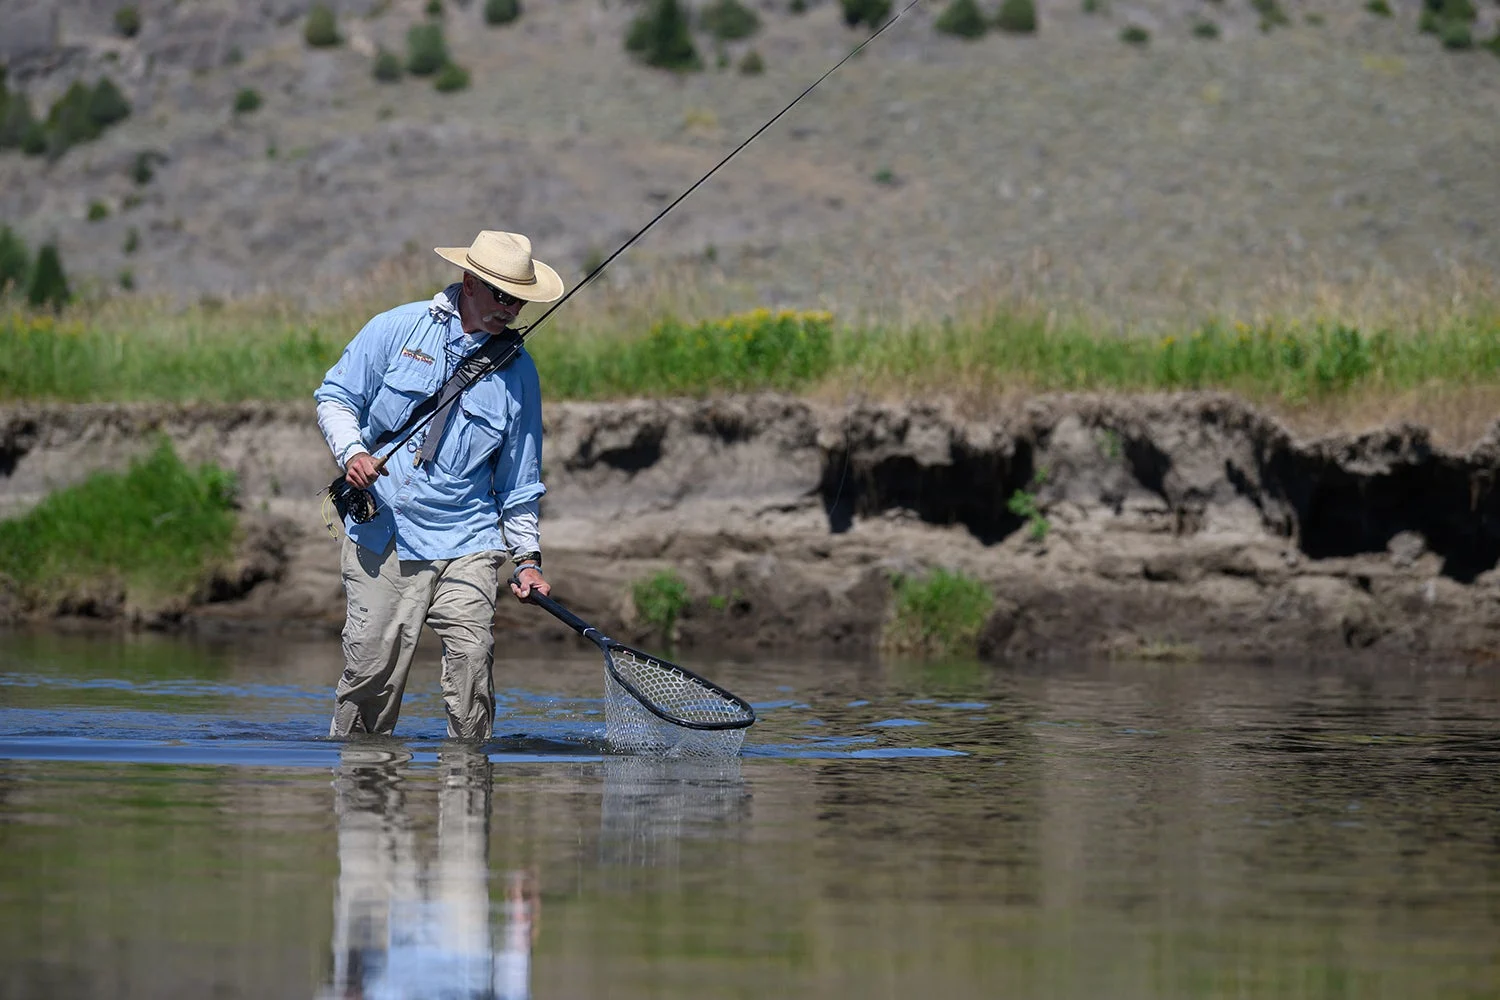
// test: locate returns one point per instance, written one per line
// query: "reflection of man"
(513, 960)
(410, 927)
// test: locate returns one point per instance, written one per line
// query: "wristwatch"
(532, 559)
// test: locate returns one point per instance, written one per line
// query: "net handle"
(569, 619)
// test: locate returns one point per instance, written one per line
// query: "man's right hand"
(361, 470)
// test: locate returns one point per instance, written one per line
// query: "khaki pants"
(388, 601)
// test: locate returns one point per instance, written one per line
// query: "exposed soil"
(1176, 525)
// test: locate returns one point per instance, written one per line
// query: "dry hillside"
(1343, 153)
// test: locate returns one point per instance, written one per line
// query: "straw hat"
(504, 260)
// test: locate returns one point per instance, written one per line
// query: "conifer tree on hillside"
(15, 261)
(49, 285)
(660, 37)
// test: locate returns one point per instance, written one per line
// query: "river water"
(172, 823)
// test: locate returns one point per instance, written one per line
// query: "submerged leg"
(387, 601)
(463, 615)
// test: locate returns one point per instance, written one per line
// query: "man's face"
(496, 308)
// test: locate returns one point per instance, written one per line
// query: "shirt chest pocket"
(486, 416)
(406, 384)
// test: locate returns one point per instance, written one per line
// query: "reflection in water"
(410, 923)
(651, 804)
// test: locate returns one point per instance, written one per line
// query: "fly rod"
(360, 505)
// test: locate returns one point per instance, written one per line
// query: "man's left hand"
(529, 579)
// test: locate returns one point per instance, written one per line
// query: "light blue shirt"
(489, 458)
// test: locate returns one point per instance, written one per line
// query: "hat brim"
(547, 287)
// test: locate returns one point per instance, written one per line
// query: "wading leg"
(463, 615)
(387, 600)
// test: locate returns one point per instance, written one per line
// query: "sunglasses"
(504, 298)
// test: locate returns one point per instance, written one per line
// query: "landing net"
(655, 707)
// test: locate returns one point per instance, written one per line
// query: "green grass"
(1288, 361)
(156, 528)
(756, 350)
(125, 352)
(659, 599)
(45, 358)
(939, 614)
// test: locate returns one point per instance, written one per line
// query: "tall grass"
(275, 353)
(156, 528)
(756, 350)
(1290, 361)
(46, 358)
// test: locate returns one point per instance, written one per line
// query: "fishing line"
(347, 499)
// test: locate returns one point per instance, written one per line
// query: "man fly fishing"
(450, 382)
(428, 526)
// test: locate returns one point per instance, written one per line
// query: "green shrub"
(1451, 10)
(127, 280)
(132, 241)
(15, 261)
(387, 68)
(1271, 14)
(97, 210)
(961, 18)
(1018, 17)
(34, 140)
(939, 614)
(141, 168)
(49, 285)
(751, 64)
(1134, 34)
(426, 49)
(1022, 503)
(729, 20)
(1206, 29)
(16, 119)
(871, 13)
(497, 12)
(1494, 43)
(246, 101)
(659, 599)
(797, 6)
(127, 21)
(1093, 6)
(659, 37)
(81, 114)
(107, 105)
(451, 77)
(1379, 8)
(434, 8)
(157, 527)
(1456, 35)
(321, 30)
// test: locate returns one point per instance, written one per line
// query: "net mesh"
(633, 728)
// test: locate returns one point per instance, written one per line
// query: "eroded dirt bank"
(1172, 522)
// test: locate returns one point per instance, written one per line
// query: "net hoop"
(650, 705)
